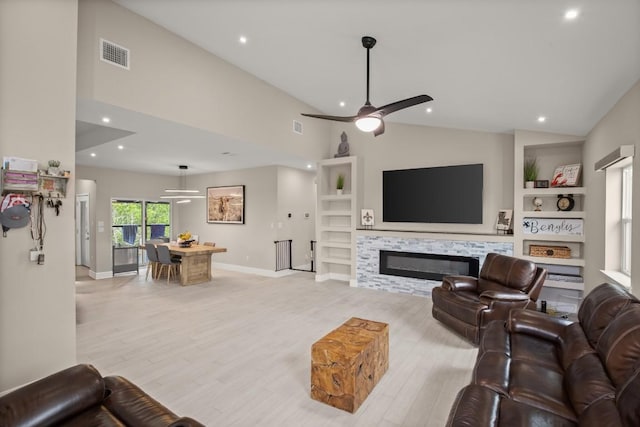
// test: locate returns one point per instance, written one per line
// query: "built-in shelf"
(554, 214)
(553, 238)
(335, 213)
(337, 218)
(343, 245)
(576, 262)
(564, 285)
(550, 152)
(553, 191)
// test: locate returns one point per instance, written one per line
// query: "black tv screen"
(445, 194)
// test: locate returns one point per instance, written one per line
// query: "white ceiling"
(493, 65)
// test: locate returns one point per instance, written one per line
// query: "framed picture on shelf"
(541, 183)
(504, 221)
(225, 204)
(566, 175)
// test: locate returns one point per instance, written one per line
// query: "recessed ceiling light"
(120, 147)
(542, 119)
(429, 110)
(342, 103)
(571, 14)
(106, 119)
(93, 154)
(309, 166)
(242, 40)
(184, 201)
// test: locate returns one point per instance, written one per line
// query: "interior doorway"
(83, 230)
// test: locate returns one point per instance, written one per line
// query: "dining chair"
(164, 257)
(152, 256)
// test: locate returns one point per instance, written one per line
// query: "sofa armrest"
(488, 296)
(538, 324)
(136, 408)
(53, 399)
(459, 283)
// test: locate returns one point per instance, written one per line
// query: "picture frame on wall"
(225, 205)
(504, 220)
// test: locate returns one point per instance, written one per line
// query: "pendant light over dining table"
(183, 194)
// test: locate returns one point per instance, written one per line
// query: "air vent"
(297, 127)
(114, 54)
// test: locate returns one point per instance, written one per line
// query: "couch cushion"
(602, 413)
(573, 344)
(535, 350)
(133, 406)
(619, 345)
(492, 370)
(495, 338)
(540, 387)
(506, 271)
(95, 416)
(513, 413)
(53, 399)
(475, 405)
(587, 382)
(600, 306)
(627, 400)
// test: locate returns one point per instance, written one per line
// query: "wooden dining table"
(196, 262)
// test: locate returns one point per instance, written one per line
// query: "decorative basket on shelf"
(550, 251)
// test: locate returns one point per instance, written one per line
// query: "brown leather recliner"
(467, 304)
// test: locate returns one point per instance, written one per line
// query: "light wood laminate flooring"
(236, 351)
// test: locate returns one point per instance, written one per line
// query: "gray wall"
(407, 146)
(37, 121)
(175, 80)
(110, 184)
(620, 126)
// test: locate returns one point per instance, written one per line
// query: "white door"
(83, 235)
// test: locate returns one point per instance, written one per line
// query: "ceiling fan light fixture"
(368, 123)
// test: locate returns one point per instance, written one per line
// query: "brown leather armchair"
(467, 304)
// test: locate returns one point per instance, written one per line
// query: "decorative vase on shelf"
(54, 168)
(529, 184)
(339, 191)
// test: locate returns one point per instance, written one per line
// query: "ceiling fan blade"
(334, 118)
(405, 103)
(380, 129)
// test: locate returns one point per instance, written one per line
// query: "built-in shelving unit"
(337, 218)
(550, 153)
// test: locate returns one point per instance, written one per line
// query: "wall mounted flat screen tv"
(445, 194)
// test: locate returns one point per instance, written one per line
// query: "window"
(625, 220)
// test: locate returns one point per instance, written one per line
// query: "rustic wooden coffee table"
(348, 362)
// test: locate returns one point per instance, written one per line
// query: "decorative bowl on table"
(185, 243)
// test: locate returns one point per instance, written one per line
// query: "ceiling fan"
(369, 118)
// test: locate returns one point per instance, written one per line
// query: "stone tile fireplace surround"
(369, 243)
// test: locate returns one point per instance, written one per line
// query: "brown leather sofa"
(80, 396)
(538, 370)
(467, 304)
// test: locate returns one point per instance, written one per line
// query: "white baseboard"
(101, 274)
(251, 270)
(334, 276)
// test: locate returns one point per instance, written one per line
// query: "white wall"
(109, 184)
(37, 121)
(297, 196)
(175, 80)
(408, 146)
(620, 126)
(249, 244)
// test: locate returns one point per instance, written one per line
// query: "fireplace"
(427, 265)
